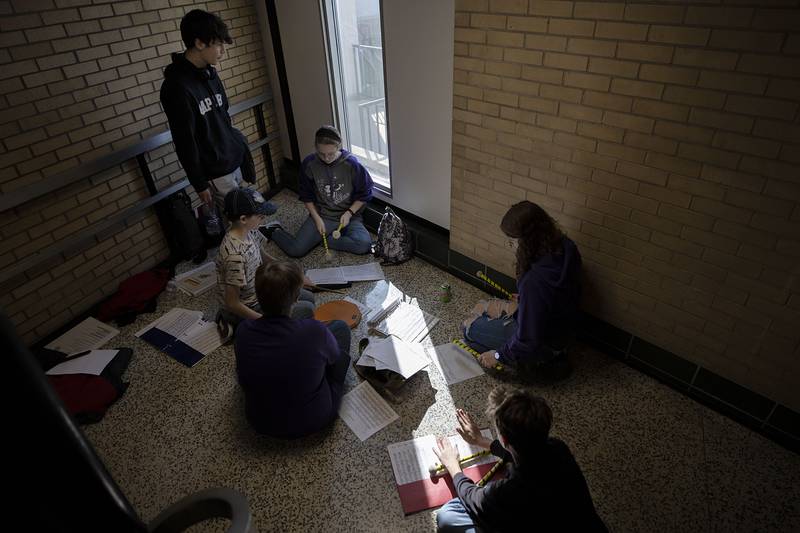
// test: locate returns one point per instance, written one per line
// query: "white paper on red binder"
(411, 461)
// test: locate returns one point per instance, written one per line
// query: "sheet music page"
(88, 335)
(92, 363)
(365, 272)
(365, 412)
(175, 322)
(382, 298)
(366, 360)
(403, 357)
(203, 337)
(412, 459)
(408, 322)
(455, 364)
(326, 276)
(361, 307)
(198, 280)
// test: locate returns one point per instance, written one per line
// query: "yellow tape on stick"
(461, 344)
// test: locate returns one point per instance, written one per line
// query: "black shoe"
(269, 228)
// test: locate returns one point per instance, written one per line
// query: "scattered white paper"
(366, 272)
(455, 364)
(366, 360)
(345, 274)
(188, 327)
(408, 322)
(92, 363)
(361, 307)
(88, 335)
(176, 322)
(382, 300)
(203, 337)
(198, 280)
(365, 412)
(326, 276)
(412, 459)
(396, 354)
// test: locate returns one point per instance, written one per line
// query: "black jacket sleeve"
(181, 118)
(478, 500)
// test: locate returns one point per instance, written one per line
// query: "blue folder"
(168, 344)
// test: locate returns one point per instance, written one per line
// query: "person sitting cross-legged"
(240, 253)
(292, 370)
(544, 489)
(334, 187)
(531, 342)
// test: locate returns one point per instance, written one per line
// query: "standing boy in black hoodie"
(210, 149)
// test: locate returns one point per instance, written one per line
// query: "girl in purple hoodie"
(548, 280)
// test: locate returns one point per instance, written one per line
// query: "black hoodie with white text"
(207, 144)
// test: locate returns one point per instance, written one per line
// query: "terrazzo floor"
(654, 459)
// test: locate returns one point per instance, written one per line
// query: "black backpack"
(394, 244)
(181, 228)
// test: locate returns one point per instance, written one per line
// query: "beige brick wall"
(78, 80)
(665, 139)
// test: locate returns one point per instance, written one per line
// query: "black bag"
(86, 396)
(394, 244)
(181, 228)
(387, 383)
(248, 166)
(211, 224)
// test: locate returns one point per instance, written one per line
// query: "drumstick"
(337, 232)
(326, 289)
(439, 466)
(485, 479)
(325, 243)
(469, 350)
(491, 283)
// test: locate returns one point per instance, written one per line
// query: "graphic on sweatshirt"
(337, 195)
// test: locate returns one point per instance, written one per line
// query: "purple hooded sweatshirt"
(549, 293)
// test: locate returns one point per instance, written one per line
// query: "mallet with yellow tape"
(492, 283)
(469, 350)
(485, 479)
(325, 243)
(337, 233)
(439, 469)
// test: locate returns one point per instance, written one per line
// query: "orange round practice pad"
(338, 310)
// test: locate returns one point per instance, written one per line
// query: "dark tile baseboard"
(776, 422)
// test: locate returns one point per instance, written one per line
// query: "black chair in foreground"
(55, 481)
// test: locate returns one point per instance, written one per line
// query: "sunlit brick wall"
(665, 139)
(78, 80)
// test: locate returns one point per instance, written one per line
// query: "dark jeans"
(338, 370)
(303, 308)
(355, 237)
(547, 363)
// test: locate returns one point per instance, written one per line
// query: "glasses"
(328, 156)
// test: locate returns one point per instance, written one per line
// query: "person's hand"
(487, 359)
(448, 455)
(470, 431)
(515, 297)
(206, 198)
(307, 282)
(320, 225)
(344, 220)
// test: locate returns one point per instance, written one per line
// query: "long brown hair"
(536, 232)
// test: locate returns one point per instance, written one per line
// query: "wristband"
(351, 211)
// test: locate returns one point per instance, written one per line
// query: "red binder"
(435, 492)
